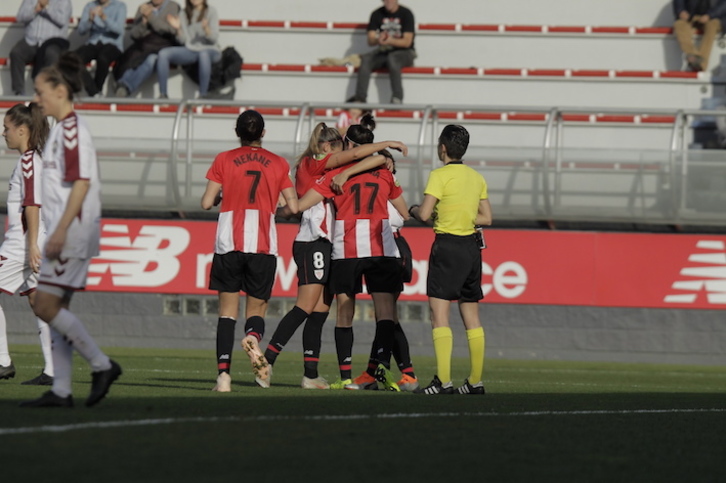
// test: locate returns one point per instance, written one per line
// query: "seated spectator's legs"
(20, 55)
(683, 31)
(133, 78)
(168, 56)
(397, 60)
(206, 59)
(49, 53)
(107, 55)
(710, 31)
(368, 63)
(87, 53)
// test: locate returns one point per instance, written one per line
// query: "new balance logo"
(705, 273)
(147, 259)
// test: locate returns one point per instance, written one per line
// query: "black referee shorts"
(455, 269)
(251, 273)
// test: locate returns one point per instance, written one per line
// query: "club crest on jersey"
(318, 274)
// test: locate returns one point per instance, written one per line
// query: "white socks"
(75, 332)
(62, 364)
(44, 334)
(4, 354)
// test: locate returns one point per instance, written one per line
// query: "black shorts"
(313, 261)
(382, 274)
(406, 258)
(455, 269)
(251, 273)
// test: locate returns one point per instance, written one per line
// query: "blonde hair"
(321, 134)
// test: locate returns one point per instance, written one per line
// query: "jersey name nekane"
(70, 156)
(317, 221)
(252, 179)
(25, 190)
(362, 228)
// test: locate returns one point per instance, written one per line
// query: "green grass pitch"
(540, 421)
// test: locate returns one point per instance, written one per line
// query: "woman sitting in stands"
(197, 31)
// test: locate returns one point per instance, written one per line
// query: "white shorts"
(68, 274)
(17, 276)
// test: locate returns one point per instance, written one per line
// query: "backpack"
(224, 72)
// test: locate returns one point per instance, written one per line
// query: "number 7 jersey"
(252, 179)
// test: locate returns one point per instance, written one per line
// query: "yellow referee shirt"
(458, 189)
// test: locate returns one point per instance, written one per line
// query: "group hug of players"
(351, 209)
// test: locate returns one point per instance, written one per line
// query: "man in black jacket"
(691, 15)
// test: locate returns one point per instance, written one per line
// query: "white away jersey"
(70, 156)
(25, 190)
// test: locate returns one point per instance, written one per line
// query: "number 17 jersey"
(362, 228)
(252, 179)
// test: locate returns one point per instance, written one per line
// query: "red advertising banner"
(528, 267)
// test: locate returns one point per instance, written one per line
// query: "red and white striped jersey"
(362, 228)
(317, 221)
(70, 156)
(394, 218)
(252, 179)
(25, 190)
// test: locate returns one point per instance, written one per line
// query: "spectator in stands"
(197, 31)
(105, 22)
(151, 32)
(46, 37)
(692, 15)
(391, 31)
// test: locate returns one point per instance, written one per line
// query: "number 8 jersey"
(252, 179)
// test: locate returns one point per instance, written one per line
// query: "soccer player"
(362, 134)
(249, 180)
(456, 197)
(25, 129)
(363, 246)
(72, 216)
(312, 247)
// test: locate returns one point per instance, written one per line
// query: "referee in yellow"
(457, 201)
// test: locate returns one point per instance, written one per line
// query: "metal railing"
(669, 183)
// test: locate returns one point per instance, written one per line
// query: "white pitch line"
(342, 417)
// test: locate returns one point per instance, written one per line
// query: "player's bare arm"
(56, 241)
(210, 195)
(368, 163)
(32, 221)
(402, 208)
(291, 201)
